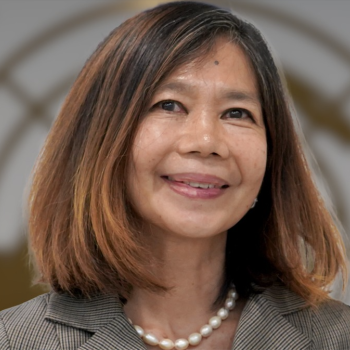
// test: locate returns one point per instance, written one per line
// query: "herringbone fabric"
(275, 319)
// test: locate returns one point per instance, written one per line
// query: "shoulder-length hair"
(83, 230)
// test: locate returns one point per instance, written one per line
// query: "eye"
(170, 106)
(238, 113)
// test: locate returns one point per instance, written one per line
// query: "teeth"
(196, 184)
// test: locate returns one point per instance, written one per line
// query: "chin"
(194, 230)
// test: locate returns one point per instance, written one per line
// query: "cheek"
(252, 158)
(260, 158)
(151, 142)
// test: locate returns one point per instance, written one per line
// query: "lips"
(198, 180)
(198, 186)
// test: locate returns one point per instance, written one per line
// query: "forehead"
(225, 67)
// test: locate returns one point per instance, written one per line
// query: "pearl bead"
(195, 338)
(206, 330)
(181, 344)
(223, 313)
(139, 331)
(150, 339)
(233, 294)
(166, 344)
(215, 322)
(229, 304)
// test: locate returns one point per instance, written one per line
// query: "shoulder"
(52, 319)
(327, 326)
(331, 324)
(20, 325)
(331, 310)
(33, 308)
(29, 312)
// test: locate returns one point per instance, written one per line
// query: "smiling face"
(199, 155)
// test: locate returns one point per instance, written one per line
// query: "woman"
(171, 183)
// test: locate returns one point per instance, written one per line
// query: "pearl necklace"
(195, 338)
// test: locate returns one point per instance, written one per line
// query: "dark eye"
(170, 106)
(237, 113)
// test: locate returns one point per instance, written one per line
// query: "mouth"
(195, 183)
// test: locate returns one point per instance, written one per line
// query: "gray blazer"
(275, 319)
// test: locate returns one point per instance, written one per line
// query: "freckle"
(216, 63)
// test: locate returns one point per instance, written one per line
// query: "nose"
(203, 134)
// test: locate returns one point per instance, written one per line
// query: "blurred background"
(44, 44)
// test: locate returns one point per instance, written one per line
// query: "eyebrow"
(227, 94)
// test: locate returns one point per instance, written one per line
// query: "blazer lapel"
(118, 335)
(98, 323)
(263, 323)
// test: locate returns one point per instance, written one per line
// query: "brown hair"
(83, 230)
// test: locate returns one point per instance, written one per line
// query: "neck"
(192, 269)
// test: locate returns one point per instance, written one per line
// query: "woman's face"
(199, 155)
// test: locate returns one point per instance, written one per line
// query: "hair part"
(84, 232)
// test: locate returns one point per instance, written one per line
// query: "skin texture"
(205, 119)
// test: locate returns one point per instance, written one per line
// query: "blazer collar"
(101, 315)
(263, 323)
(87, 314)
